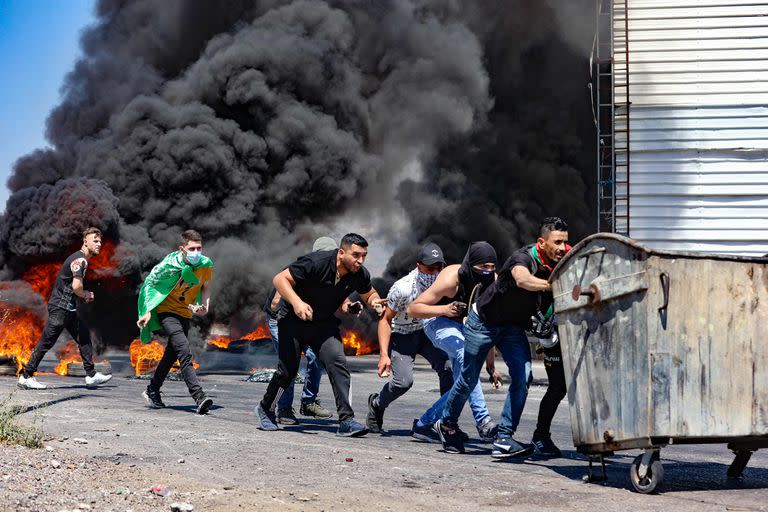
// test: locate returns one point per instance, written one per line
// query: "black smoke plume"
(264, 124)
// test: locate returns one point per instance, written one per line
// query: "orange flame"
(41, 277)
(146, 356)
(20, 329)
(353, 340)
(261, 332)
(69, 353)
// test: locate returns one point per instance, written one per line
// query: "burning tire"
(77, 370)
(7, 365)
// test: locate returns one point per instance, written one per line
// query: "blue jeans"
(311, 376)
(448, 335)
(513, 344)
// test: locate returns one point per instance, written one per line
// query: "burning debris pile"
(71, 363)
(146, 356)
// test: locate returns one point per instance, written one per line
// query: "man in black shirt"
(62, 314)
(500, 318)
(314, 287)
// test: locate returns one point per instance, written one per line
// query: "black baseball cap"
(431, 254)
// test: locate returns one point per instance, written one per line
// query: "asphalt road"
(307, 466)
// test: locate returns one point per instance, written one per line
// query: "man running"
(67, 291)
(275, 308)
(176, 288)
(500, 318)
(443, 306)
(402, 337)
(315, 286)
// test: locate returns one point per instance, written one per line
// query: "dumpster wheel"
(652, 474)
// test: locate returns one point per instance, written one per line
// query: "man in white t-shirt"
(401, 337)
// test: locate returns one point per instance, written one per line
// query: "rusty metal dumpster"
(662, 348)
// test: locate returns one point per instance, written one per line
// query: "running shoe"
(267, 419)
(375, 418)
(508, 447)
(424, 433)
(544, 447)
(450, 437)
(351, 428)
(153, 398)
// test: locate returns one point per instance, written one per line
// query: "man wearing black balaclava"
(499, 318)
(443, 306)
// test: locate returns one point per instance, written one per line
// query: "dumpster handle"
(664, 278)
(590, 252)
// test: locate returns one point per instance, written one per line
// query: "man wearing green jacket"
(176, 288)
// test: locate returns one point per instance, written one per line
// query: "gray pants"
(403, 349)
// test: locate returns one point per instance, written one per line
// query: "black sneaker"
(267, 420)
(426, 433)
(375, 418)
(488, 430)
(544, 447)
(508, 447)
(464, 436)
(203, 404)
(450, 437)
(153, 398)
(287, 416)
(351, 428)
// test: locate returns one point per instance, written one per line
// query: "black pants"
(325, 341)
(58, 320)
(402, 351)
(177, 328)
(553, 364)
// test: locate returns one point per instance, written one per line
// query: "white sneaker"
(98, 378)
(30, 383)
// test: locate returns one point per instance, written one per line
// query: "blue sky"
(39, 43)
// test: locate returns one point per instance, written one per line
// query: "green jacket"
(160, 282)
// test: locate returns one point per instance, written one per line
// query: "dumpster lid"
(633, 243)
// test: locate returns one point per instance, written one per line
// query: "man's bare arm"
(385, 334)
(528, 281)
(77, 287)
(446, 285)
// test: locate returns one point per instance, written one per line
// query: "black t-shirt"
(504, 303)
(62, 295)
(315, 276)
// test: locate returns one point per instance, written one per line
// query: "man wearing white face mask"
(176, 288)
(401, 337)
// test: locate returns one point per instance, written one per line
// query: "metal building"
(681, 107)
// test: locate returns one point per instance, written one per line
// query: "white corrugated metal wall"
(698, 123)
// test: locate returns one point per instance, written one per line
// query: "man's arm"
(275, 301)
(528, 281)
(284, 284)
(374, 301)
(205, 300)
(77, 287)
(385, 333)
(446, 285)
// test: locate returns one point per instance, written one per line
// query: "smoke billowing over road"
(266, 124)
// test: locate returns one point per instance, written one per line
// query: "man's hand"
(352, 308)
(198, 309)
(303, 311)
(454, 309)
(379, 305)
(88, 296)
(385, 366)
(144, 320)
(494, 377)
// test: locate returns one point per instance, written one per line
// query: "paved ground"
(229, 464)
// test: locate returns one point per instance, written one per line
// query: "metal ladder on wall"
(612, 117)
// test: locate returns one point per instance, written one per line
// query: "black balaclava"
(478, 252)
